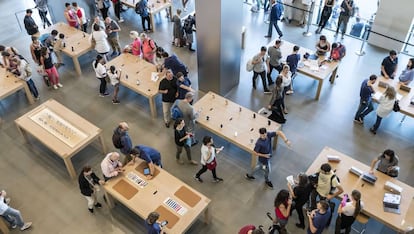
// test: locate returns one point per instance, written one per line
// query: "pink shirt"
(136, 47)
(148, 50)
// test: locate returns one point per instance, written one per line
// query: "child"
(58, 47)
(114, 78)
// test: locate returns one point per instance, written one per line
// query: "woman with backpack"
(386, 105)
(148, 48)
(23, 72)
(347, 212)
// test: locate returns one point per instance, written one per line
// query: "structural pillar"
(219, 28)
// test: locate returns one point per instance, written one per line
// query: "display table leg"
(153, 107)
(318, 91)
(333, 76)
(254, 161)
(77, 65)
(28, 94)
(23, 133)
(70, 168)
(3, 227)
(109, 200)
(101, 140)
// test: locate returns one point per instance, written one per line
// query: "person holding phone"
(208, 159)
(318, 218)
(182, 140)
(152, 225)
(283, 205)
(348, 211)
(111, 166)
(300, 193)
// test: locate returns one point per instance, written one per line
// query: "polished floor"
(40, 187)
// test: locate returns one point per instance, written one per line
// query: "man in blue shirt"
(150, 155)
(318, 219)
(365, 103)
(174, 64)
(263, 149)
(275, 14)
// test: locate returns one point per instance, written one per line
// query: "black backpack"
(116, 139)
(138, 8)
(188, 24)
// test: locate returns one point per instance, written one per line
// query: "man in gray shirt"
(112, 28)
(189, 115)
(273, 60)
(259, 68)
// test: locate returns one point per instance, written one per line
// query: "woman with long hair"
(283, 204)
(300, 193)
(99, 38)
(325, 15)
(408, 74)
(208, 159)
(347, 212)
(276, 103)
(287, 84)
(386, 105)
(49, 68)
(100, 72)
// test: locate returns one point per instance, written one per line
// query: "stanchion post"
(361, 51)
(308, 33)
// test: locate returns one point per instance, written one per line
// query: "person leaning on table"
(388, 163)
(111, 166)
(149, 155)
(151, 224)
(12, 216)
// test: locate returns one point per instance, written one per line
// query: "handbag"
(396, 106)
(211, 165)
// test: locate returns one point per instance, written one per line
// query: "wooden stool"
(4, 228)
(362, 219)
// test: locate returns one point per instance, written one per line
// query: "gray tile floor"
(53, 201)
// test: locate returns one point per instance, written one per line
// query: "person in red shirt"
(283, 204)
(70, 16)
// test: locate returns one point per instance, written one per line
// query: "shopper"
(283, 205)
(346, 13)
(178, 29)
(80, 13)
(387, 163)
(287, 85)
(135, 46)
(23, 72)
(111, 166)
(42, 8)
(322, 46)
(49, 68)
(300, 193)
(182, 140)
(117, 10)
(12, 215)
(365, 103)
(385, 107)
(98, 39)
(121, 140)
(408, 74)
(273, 60)
(89, 186)
(58, 47)
(71, 17)
(151, 223)
(145, 16)
(114, 77)
(276, 102)
(103, 6)
(318, 218)
(208, 159)
(259, 68)
(275, 14)
(148, 48)
(168, 90)
(100, 72)
(184, 86)
(326, 14)
(112, 30)
(347, 212)
(30, 25)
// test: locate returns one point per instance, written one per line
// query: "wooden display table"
(239, 126)
(327, 70)
(139, 74)
(10, 84)
(59, 129)
(406, 96)
(372, 195)
(174, 200)
(155, 6)
(74, 38)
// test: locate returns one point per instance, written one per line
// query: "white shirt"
(204, 154)
(385, 106)
(113, 78)
(3, 206)
(22, 70)
(349, 209)
(286, 80)
(102, 45)
(100, 70)
(324, 183)
(109, 167)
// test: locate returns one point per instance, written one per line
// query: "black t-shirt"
(302, 193)
(389, 65)
(171, 86)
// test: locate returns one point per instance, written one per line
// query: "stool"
(362, 219)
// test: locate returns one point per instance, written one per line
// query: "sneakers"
(26, 226)
(266, 91)
(217, 179)
(98, 205)
(359, 121)
(269, 184)
(192, 162)
(373, 131)
(121, 20)
(267, 36)
(91, 210)
(115, 102)
(198, 179)
(103, 95)
(249, 177)
(14, 226)
(59, 85)
(167, 125)
(299, 225)
(289, 92)
(55, 87)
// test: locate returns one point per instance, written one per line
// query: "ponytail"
(356, 195)
(98, 57)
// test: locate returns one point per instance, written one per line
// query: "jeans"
(274, 24)
(377, 123)
(271, 67)
(43, 17)
(32, 88)
(262, 166)
(117, 9)
(266, 5)
(204, 169)
(365, 107)
(143, 19)
(342, 21)
(102, 86)
(166, 110)
(180, 149)
(14, 217)
(104, 12)
(326, 14)
(263, 76)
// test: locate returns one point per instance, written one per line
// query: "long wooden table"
(139, 74)
(405, 106)
(327, 70)
(77, 42)
(372, 195)
(59, 129)
(9, 84)
(233, 122)
(155, 6)
(153, 196)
